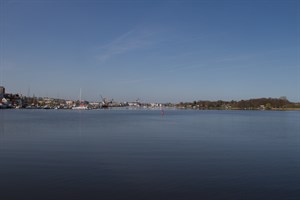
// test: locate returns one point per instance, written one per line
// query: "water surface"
(139, 154)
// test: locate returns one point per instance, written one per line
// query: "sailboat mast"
(80, 96)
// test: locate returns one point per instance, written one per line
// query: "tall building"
(2, 91)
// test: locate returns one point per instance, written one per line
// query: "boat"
(81, 106)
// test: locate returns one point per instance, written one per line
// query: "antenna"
(28, 91)
(2, 21)
(1, 72)
(80, 95)
(1, 75)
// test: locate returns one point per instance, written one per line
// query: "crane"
(105, 102)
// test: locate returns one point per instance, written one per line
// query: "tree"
(268, 106)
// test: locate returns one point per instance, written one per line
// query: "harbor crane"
(105, 102)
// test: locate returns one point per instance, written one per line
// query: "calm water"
(125, 154)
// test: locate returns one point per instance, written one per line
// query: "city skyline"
(162, 51)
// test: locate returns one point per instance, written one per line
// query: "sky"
(155, 51)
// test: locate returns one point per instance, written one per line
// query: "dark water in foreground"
(123, 154)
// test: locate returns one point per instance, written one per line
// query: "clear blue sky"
(163, 51)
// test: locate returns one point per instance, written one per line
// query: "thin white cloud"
(131, 40)
(249, 56)
(152, 77)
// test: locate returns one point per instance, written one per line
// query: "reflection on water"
(123, 154)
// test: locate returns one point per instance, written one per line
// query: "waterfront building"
(2, 92)
(69, 102)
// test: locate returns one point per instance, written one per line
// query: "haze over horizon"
(163, 51)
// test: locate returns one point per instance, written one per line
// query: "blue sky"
(163, 51)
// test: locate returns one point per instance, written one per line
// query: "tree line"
(250, 104)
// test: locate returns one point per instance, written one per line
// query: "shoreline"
(157, 108)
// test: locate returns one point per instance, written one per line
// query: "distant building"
(2, 91)
(69, 102)
(5, 101)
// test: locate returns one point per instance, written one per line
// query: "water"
(139, 154)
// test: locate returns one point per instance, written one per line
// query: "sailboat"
(81, 106)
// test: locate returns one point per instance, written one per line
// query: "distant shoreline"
(164, 108)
